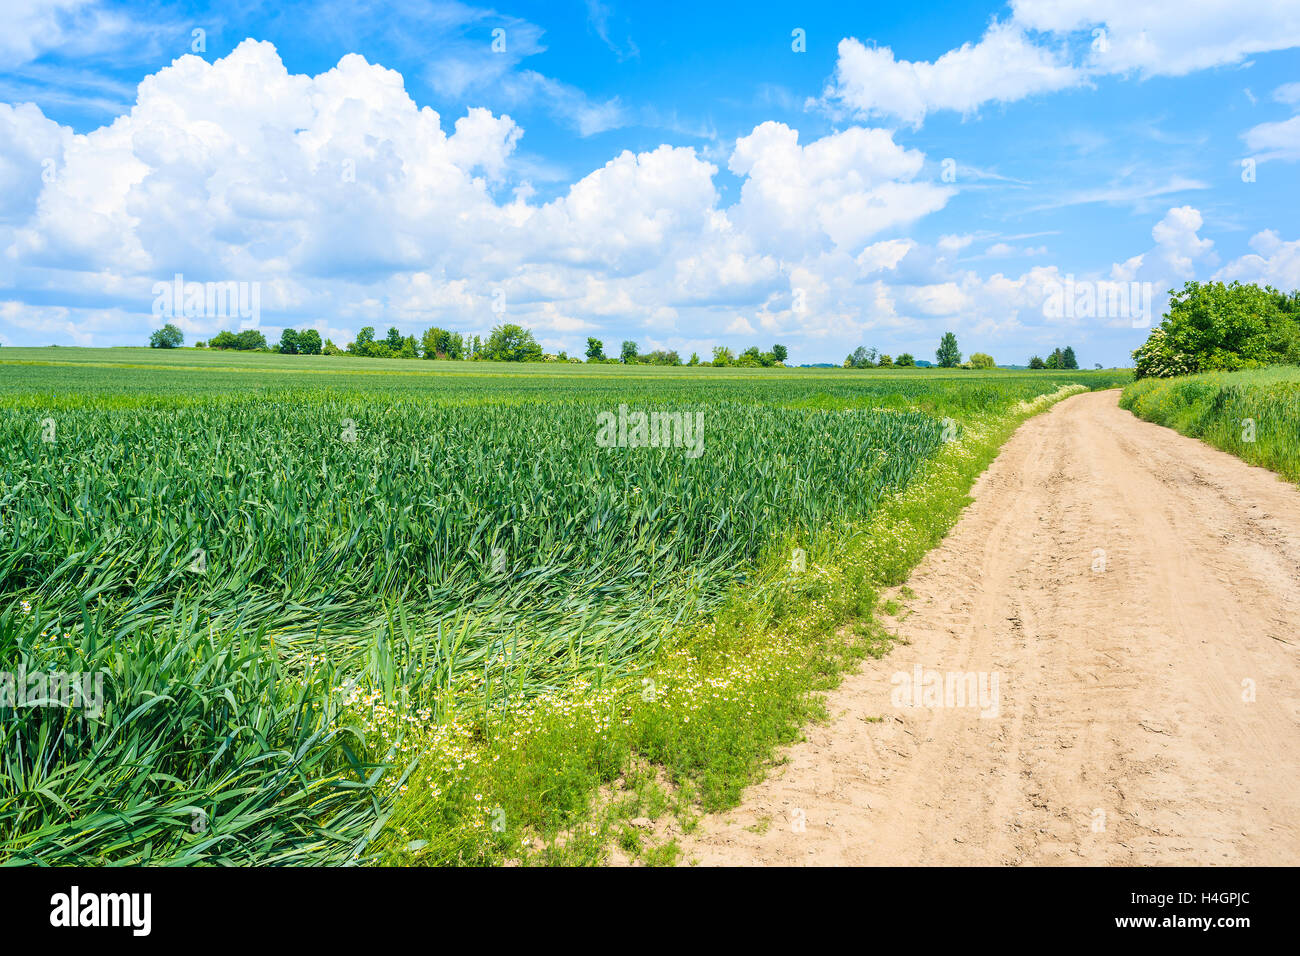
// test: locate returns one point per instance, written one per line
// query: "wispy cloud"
(1123, 193)
(598, 15)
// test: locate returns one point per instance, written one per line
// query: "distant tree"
(1067, 358)
(410, 348)
(251, 340)
(288, 342)
(750, 358)
(309, 342)
(886, 361)
(365, 339)
(627, 355)
(433, 343)
(329, 348)
(394, 339)
(695, 359)
(660, 357)
(1056, 360)
(862, 357)
(595, 350)
(905, 360)
(168, 337)
(512, 343)
(981, 360)
(1036, 361)
(200, 345)
(1098, 366)
(948, 355)
(779, 353)
(247, 340)
(723, 356)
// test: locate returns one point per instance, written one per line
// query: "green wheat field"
(371, 611)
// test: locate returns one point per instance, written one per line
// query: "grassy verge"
(1254, 415)
(561, 779)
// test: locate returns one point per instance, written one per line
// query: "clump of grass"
(194, 748)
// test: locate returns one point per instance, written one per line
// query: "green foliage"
(168, 337)
(861, 357)
(512, 343)
(1213, 326)
(948, 355)
(780, 353)
(437, 343)
(628, 353)
(288, 342)
(660, 357)
(1060, 359)
(905, 360)
(981, 360)
(249, 340)
(309, 342)
(595, 350)
(1036, 362)
(206, 748)
(723, 356)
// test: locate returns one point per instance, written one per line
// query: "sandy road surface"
(1124, 733)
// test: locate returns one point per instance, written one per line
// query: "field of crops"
(1254, 415)
(245, 546)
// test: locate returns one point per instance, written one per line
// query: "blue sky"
(678, 174)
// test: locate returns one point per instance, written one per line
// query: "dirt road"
(1135, 595)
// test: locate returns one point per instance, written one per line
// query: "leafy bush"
(168, 337)
(249, 340)
(1211, 326)
(512, 343)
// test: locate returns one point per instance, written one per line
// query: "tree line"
(630, 354)
(506, 343)
(1059, 359)
(947, 355)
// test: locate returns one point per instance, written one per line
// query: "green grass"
(295, 626)
(1254, 415)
